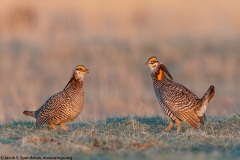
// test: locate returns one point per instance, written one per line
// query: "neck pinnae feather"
(73, 83)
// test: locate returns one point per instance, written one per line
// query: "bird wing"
(181, 102)
(52, 107)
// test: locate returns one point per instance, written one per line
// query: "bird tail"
(204, 102)
(30, 113)
(208, 95)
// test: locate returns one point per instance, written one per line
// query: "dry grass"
(131, 137)
(41, 43)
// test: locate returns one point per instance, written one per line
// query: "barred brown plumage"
(178, 102)
(64, 106)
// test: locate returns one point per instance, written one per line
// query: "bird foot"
(169, 126)
(64, 126)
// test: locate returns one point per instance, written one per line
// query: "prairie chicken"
(64, 106)
(178, 102)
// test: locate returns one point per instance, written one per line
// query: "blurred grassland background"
(42, 41)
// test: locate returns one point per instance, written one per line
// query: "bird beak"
(87, 70)
(146, 63)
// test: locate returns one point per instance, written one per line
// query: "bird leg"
(63, 126)
(53, 127)
(169, 126)
(178, 125)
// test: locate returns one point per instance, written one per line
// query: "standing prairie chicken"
(64, 106)
(179, 103)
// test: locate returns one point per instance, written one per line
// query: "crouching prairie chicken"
(64, 106)
(178, 102)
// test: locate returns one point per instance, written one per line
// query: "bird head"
(155, 65)
(79, 72)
